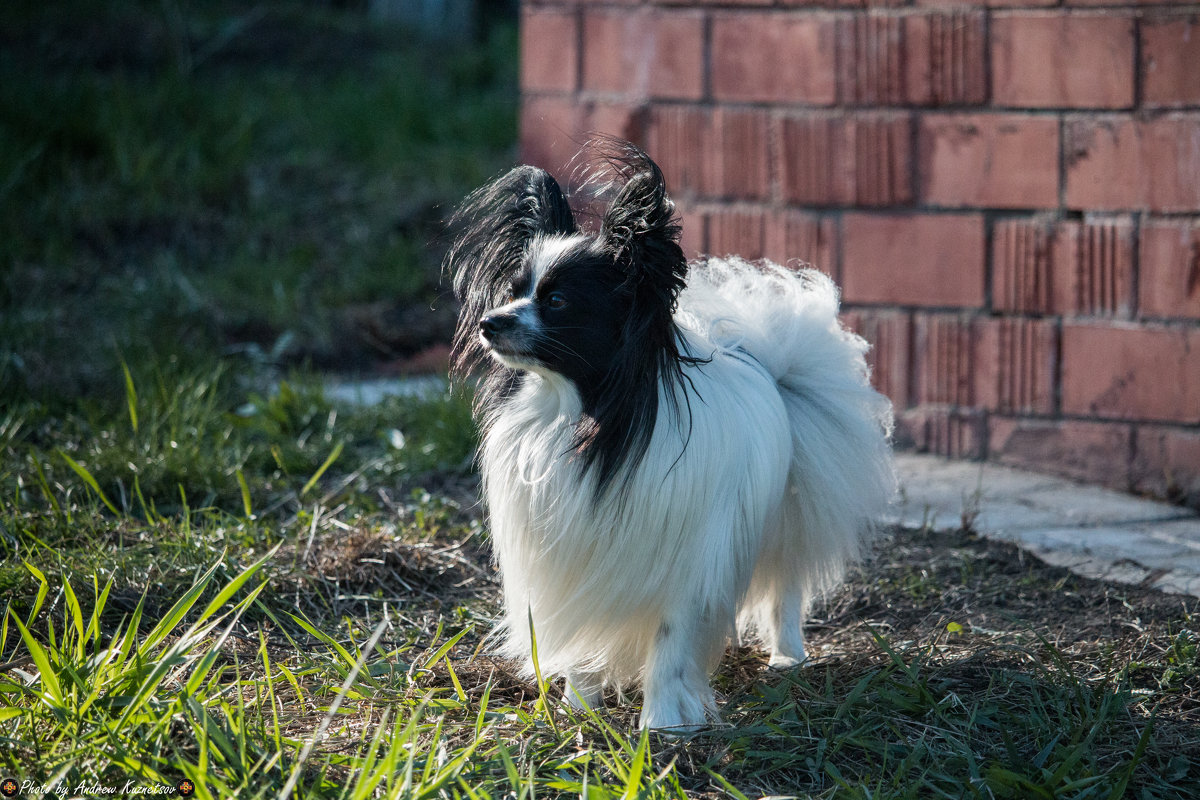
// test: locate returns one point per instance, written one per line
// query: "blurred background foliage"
(186, 182)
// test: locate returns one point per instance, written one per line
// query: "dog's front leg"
(583, 689)
(676, 694)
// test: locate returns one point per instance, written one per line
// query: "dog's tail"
(841, 477)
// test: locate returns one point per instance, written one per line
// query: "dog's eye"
(556, 300)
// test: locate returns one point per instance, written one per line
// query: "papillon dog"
(672, 455)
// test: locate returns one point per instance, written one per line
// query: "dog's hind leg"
(784, 629)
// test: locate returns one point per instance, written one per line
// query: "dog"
(671, 454)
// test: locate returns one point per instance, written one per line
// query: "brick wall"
(1007, 191)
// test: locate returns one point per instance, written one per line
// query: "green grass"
(266, 621)
(190, 179)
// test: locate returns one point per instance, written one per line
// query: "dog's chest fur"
(599, 569)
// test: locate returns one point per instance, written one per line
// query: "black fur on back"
(639, 239)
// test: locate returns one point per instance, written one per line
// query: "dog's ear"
(494, 224)
(640, 233)
(640, 228)
(492, 229)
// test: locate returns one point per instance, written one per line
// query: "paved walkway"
(1091, 531)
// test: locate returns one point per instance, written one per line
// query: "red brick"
(1111, 2)
(1169, 284)
(623, 120)
(871, 59)
(944, 360)
(915, 259)
(890, 334)
(1131, 372)
(677, 66)
(679, 139)
(1171, 61)
(1015, 365)
(989, 160)
(736, 232)
(1118, 163)
(843, 4)
(719, 153)
(1093, 267)
(1087, 451)
(988, 3)
(1166, 463)
(846, 160)
(1022, 266)
(739, 155)
(549, 49)
(944, 56)
(792, 238)
(1057, 60)
(693, 223)
(954, 433)
(773, 57)
(552, 131)
(1072, 268)
(814, 160)
(796, 238)
(704, 2)
(644, 54)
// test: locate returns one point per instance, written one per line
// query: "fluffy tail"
(841, 476)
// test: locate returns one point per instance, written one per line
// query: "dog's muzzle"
(497, 324)
(506, 334)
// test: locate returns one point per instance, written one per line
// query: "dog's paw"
(582, 700)
(784, 661)
(671, 725)
(583, 690)
(678, 713)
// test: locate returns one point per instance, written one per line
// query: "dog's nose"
(493, 324)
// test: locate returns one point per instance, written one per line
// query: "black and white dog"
(670, 456)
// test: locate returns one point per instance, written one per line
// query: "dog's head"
(539, 294)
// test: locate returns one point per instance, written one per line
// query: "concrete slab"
(376, 390)
(1092, 531)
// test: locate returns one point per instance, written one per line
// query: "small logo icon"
(186, 788)
(9, 787)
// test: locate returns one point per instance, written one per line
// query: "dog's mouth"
(502, 344)
(511, 351)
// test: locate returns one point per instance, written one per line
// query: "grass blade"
(43, 589)
(241, 479)
(41, 659)
(130, 397)
(445, 648)
(337, 451)
(82, 472)
(537, 671)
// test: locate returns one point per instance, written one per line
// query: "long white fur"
(757, 491)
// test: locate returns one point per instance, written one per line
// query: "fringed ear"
(491, 230)
(639, 231)
(640, 228)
